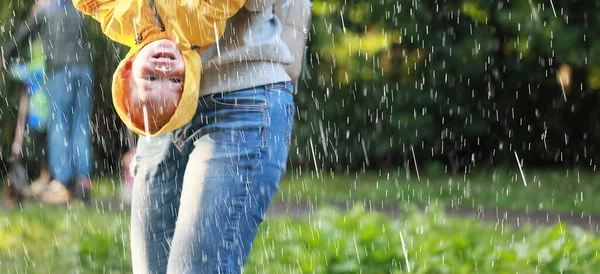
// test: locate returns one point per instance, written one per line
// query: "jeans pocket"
(249, 99)
(286, 87)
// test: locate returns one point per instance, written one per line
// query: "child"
(32, 75)
(156, 86)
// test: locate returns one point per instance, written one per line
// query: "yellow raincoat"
(191, 24)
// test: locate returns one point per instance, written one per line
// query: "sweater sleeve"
(212, 17)
(219, 10)
(258, 5)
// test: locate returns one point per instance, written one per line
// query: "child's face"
(156, 78)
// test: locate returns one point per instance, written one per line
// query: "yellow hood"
(191, 24)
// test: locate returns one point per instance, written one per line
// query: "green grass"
(546, 190)
(45, 239)
(106, 187)
(363, 242)
(49, 239)
(562, 191)
(56, 239)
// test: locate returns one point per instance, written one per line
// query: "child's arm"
(103, 11)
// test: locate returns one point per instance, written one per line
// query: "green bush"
(108, 135)
(466, 82)
(363, 242)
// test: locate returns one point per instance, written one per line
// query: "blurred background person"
(67, 54)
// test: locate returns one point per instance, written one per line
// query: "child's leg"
(80, 134)
(41, 139)
(60, 94)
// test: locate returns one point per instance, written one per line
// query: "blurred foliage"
(52, 239)
(363, 242)
(109, 138)
(88, 240)
(465, 83)
(10, 15)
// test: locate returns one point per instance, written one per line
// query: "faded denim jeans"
(201, 192)
(69, 136)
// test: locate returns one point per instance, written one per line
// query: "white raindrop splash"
(146, 124)
(405, 252)
(521, 169)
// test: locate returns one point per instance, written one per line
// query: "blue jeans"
(201, 192)
(69, 144)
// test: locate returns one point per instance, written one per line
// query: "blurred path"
(512, 217)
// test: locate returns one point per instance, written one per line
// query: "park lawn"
(50, 239)
(360, 241)
(558, 191)
(59, 239)
(562, 191)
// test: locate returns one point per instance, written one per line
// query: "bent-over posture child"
(155, 87)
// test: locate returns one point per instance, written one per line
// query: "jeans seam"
(289, 125)
(229, 261)
(235, 245)
(265, 127)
